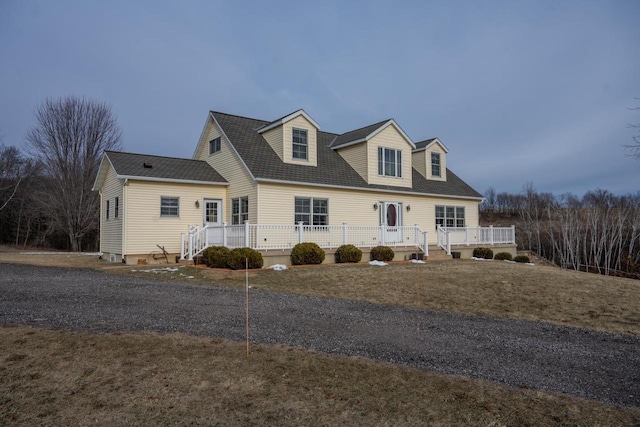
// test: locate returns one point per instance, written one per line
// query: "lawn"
(65, 378)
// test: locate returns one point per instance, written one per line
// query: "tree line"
(45, 189)
(598, 232)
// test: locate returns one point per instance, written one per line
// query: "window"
(116, 207)
(107, 212)
(311, 211)
(300, 145)
(169, 206)
(215, 145)
(435, 164)
(450, 216)
(389, 162)
(239, 210)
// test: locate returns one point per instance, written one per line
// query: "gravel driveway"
(582, 363)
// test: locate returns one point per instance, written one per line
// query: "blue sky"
(526, 91)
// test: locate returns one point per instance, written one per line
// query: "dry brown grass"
(71, 378)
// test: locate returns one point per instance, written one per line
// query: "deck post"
(190, 245)
(382, 235)
(513, 234)
(466, 232)
(491, 234)
(246, 233)
(344, 233)
(224, 233)
(300, 231)
(182, 245)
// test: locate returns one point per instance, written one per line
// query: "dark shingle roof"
(162, 168)
(424, 143)
(332, 169)
(357, 134)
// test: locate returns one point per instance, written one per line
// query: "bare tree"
(69, 139)
(635, 148)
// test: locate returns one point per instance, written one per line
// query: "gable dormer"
(294, 138)
(380, 153)
(430, 159)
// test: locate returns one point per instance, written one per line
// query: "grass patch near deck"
(75, 378)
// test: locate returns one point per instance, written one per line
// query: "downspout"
(101, 222)
(125, 212)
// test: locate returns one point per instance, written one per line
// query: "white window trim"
(306, 144)
(455, 216)
(215, 145)
(382, 164)
(177, 207)
(439, 156)
(311, 213)
(240, 215)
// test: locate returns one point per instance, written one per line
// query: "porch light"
(375, 206)
(408, 208)
(197, 203)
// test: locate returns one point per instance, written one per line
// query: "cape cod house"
(272, 184)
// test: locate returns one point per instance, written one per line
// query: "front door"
(391, 219)
(212, 218)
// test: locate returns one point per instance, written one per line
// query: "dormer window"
(215, 145)
(389, 162)
(435, 164)
(300, 147)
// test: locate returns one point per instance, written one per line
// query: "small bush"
(238, 256)
(382, 253)
(503, 255)
(306, 253)
(485, 253)
(521, 258)
(216, 256)
(348, 253)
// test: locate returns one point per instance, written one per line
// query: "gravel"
(578, 362)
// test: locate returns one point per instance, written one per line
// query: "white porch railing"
(490, 235)
(286, 236)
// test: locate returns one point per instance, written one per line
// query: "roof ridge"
(240, 117)
(366, 126)
(152, 155)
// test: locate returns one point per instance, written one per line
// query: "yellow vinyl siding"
(275, 139)
(419, 162)
(389, 138)
(300, 122)
(436, 148)
(227, 163)
(111, 229)
(355, 207)
(356, 156)
(146, 228)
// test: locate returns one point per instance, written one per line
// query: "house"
(272, 184)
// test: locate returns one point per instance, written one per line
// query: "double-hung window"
(450, 216)
(169, 206)
(435, 164)
(389, 162)
(311, 211)
(300, 147)
(239, 210)
(116, 207)
(215, 145)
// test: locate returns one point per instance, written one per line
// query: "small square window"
(169, 206)
(215, 145)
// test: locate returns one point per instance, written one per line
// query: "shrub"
(521, 258)
(485, 253)
(238, 256)
(348, 253)
(503, 255)
(216, 256)
(307, 253)
(382, 253)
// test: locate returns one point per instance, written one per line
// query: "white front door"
(391, 219)
(212, 219)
